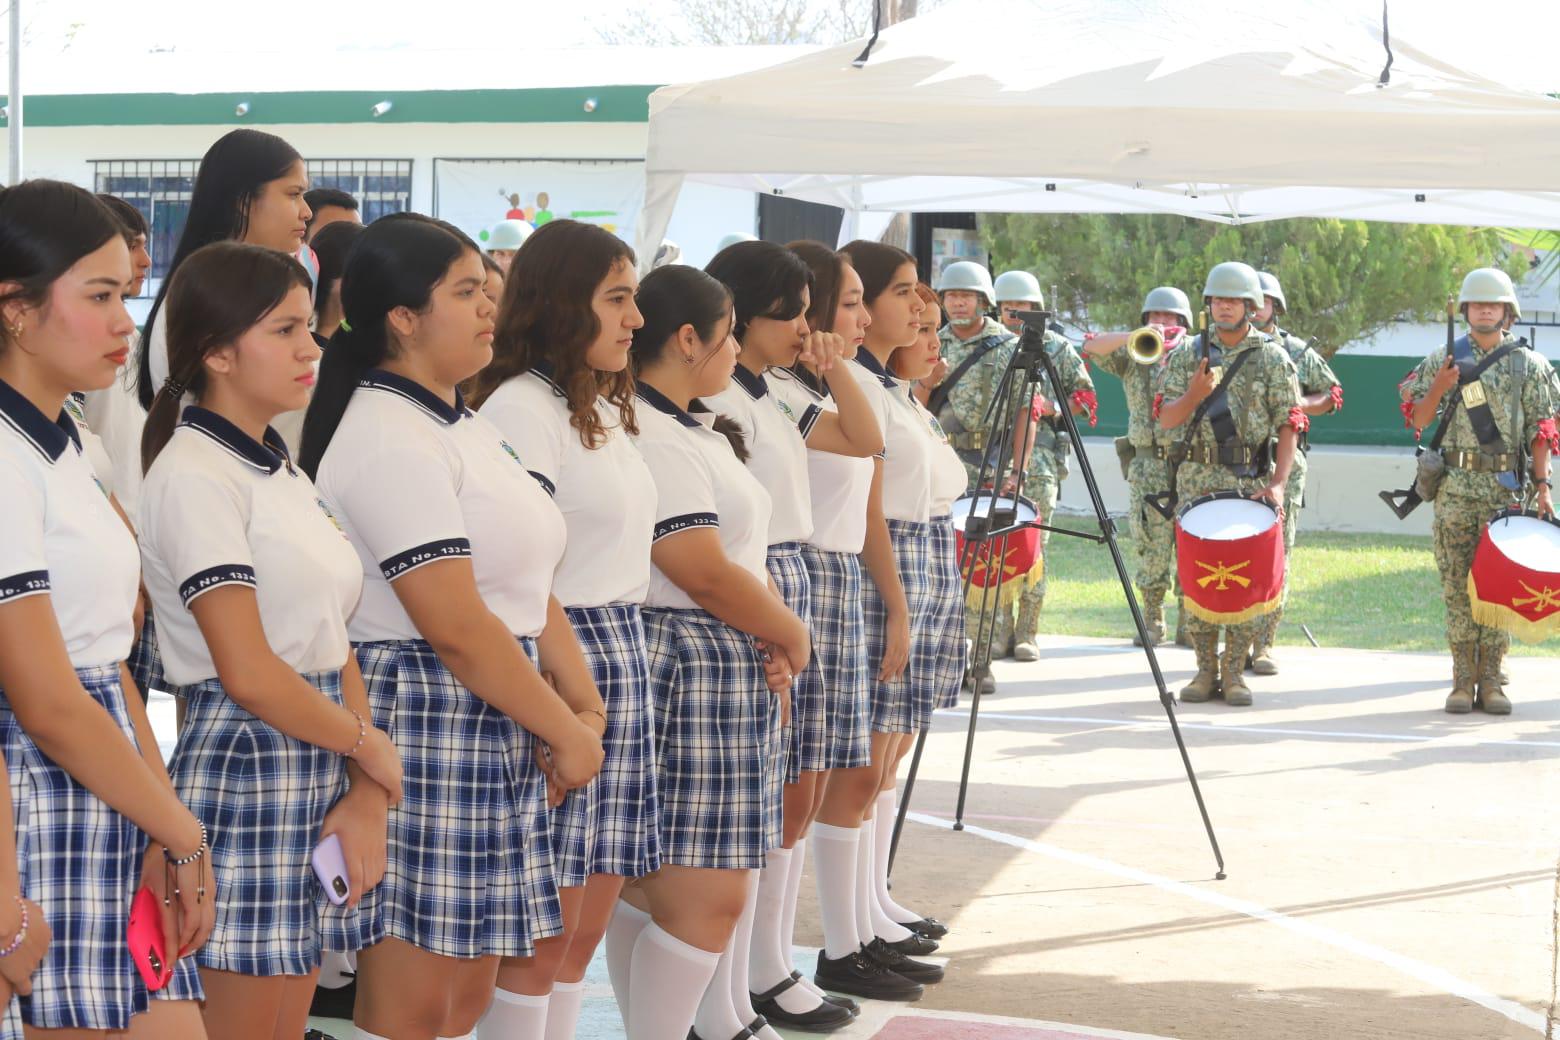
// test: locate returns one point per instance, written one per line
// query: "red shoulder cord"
(1089, 402)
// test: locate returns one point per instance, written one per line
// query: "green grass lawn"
(1373, 592)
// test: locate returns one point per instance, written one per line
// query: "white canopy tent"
(1120, 106)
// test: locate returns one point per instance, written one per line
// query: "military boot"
(1153, 603)
(1231, 664)
(1492, 695)
(1460, 700)
(1261, 659)
(1181, 638)
(1206, 682)
(1024, 647)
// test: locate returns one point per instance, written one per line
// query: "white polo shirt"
(218, 508)
(92, 445)
(838, 484)
(699, 483)
(115, 414)
(60, 536)
(606, 494)
(907, 450)
(413, 480)
(949, 478)
(777, 454)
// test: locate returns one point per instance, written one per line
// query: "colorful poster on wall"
(476, 194)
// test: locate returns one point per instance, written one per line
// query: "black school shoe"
(863, 976)
(838, 1001)
(929, 927)
(825, 1018)
(334, 1003)
(899, 964)
(912, 945)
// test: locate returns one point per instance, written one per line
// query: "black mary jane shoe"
(929, 927)
(838, 1001)
(912, 945)
(899, 964)
(825, 1018)
(746, 1034)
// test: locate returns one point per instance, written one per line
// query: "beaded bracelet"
(21, 933)
(362, 736)
(192, 857)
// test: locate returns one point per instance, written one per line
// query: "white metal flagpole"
(13, 98)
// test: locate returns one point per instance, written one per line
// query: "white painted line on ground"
(1455, 738)
(876, 1014)
(1428, 974)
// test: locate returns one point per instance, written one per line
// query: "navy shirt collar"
(867, 360)
(544, 372)
(269, 454)
(754, 385)
(49, 438)
(657, 400)
(418, 394)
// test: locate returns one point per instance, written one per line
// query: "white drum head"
(962, 508)
(1528, 541)
(1228, 519)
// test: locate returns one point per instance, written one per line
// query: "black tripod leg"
(904, 797)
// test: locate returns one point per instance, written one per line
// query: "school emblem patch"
(329, 515)
(785, 409)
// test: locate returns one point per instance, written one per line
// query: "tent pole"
(13, 97)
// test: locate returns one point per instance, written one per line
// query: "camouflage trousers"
(1020, 620)
(1459, 523)
(1294, 496)
(1153, 537)
(1195, 480)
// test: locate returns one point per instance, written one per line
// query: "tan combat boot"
(1231, 664)
(1206, 682)
(1460, 700)
(1261, 661)
(1492, 695)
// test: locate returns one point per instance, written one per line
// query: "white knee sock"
(896, 913)
(666, 982)
(834, 850)
(881, 926)
(514, 1016)
(865, 901)
(741, 960)
(788, 934)
(717, 1018)
(563, 1010)
(767, 966)
(622, 933)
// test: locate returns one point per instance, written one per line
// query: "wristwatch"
(1544, 481)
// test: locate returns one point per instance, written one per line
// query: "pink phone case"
(148, 948)
(330, 866)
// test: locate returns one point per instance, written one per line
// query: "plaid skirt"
(81, 862)
(898, 706)
(939, 660)
(145, 661)
(717, 729)
(264, 796)
(469, 869)
(609, 825)
(839, 663)
(802, 743)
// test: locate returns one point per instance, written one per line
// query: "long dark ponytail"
(395, 262)
(231, 175)
(222, 291)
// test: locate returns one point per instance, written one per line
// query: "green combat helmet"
(1169, 299)
(1488, 285)
(1234, 280)
(969, 276)
(508, 235)
(1270, 287)
(1019, 285)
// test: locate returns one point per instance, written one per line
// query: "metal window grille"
(161, 190)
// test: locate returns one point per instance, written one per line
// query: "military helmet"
(508, 234)
(1270, 287)
(1018, 285)
(1488, 285)
(1234, 280)
(1168, 298)
(969, 276)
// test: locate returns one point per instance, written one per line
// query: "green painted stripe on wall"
(614, 104)
(1370, 414)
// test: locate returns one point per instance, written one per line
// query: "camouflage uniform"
(1261, 398)
(1153, 537)
(1467, 499)
(963, 417)
(1315, 376)
(1048, 468)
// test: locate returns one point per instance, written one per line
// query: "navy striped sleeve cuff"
(211, 577)
(673, 524)
(547, 485)
(27, 583)
(809, 417)
(428, 552)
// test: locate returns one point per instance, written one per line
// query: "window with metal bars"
(161, 190)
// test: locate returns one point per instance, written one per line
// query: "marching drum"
(1229, 557)
(1514, 583)
(1022, 560)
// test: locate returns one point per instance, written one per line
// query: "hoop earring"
(687, 359)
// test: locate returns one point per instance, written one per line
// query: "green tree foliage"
(1344, 279)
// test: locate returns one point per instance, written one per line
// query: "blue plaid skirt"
(264, 796)
(897, 706)
(839, 659)
(609, 826)
(717, 729)
(802, 745)
(469, 869)
(939, 660)
(145, 661)
(81, 862)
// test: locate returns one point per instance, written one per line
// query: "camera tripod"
(990, 523)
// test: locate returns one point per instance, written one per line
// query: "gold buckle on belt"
(1473, 394)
